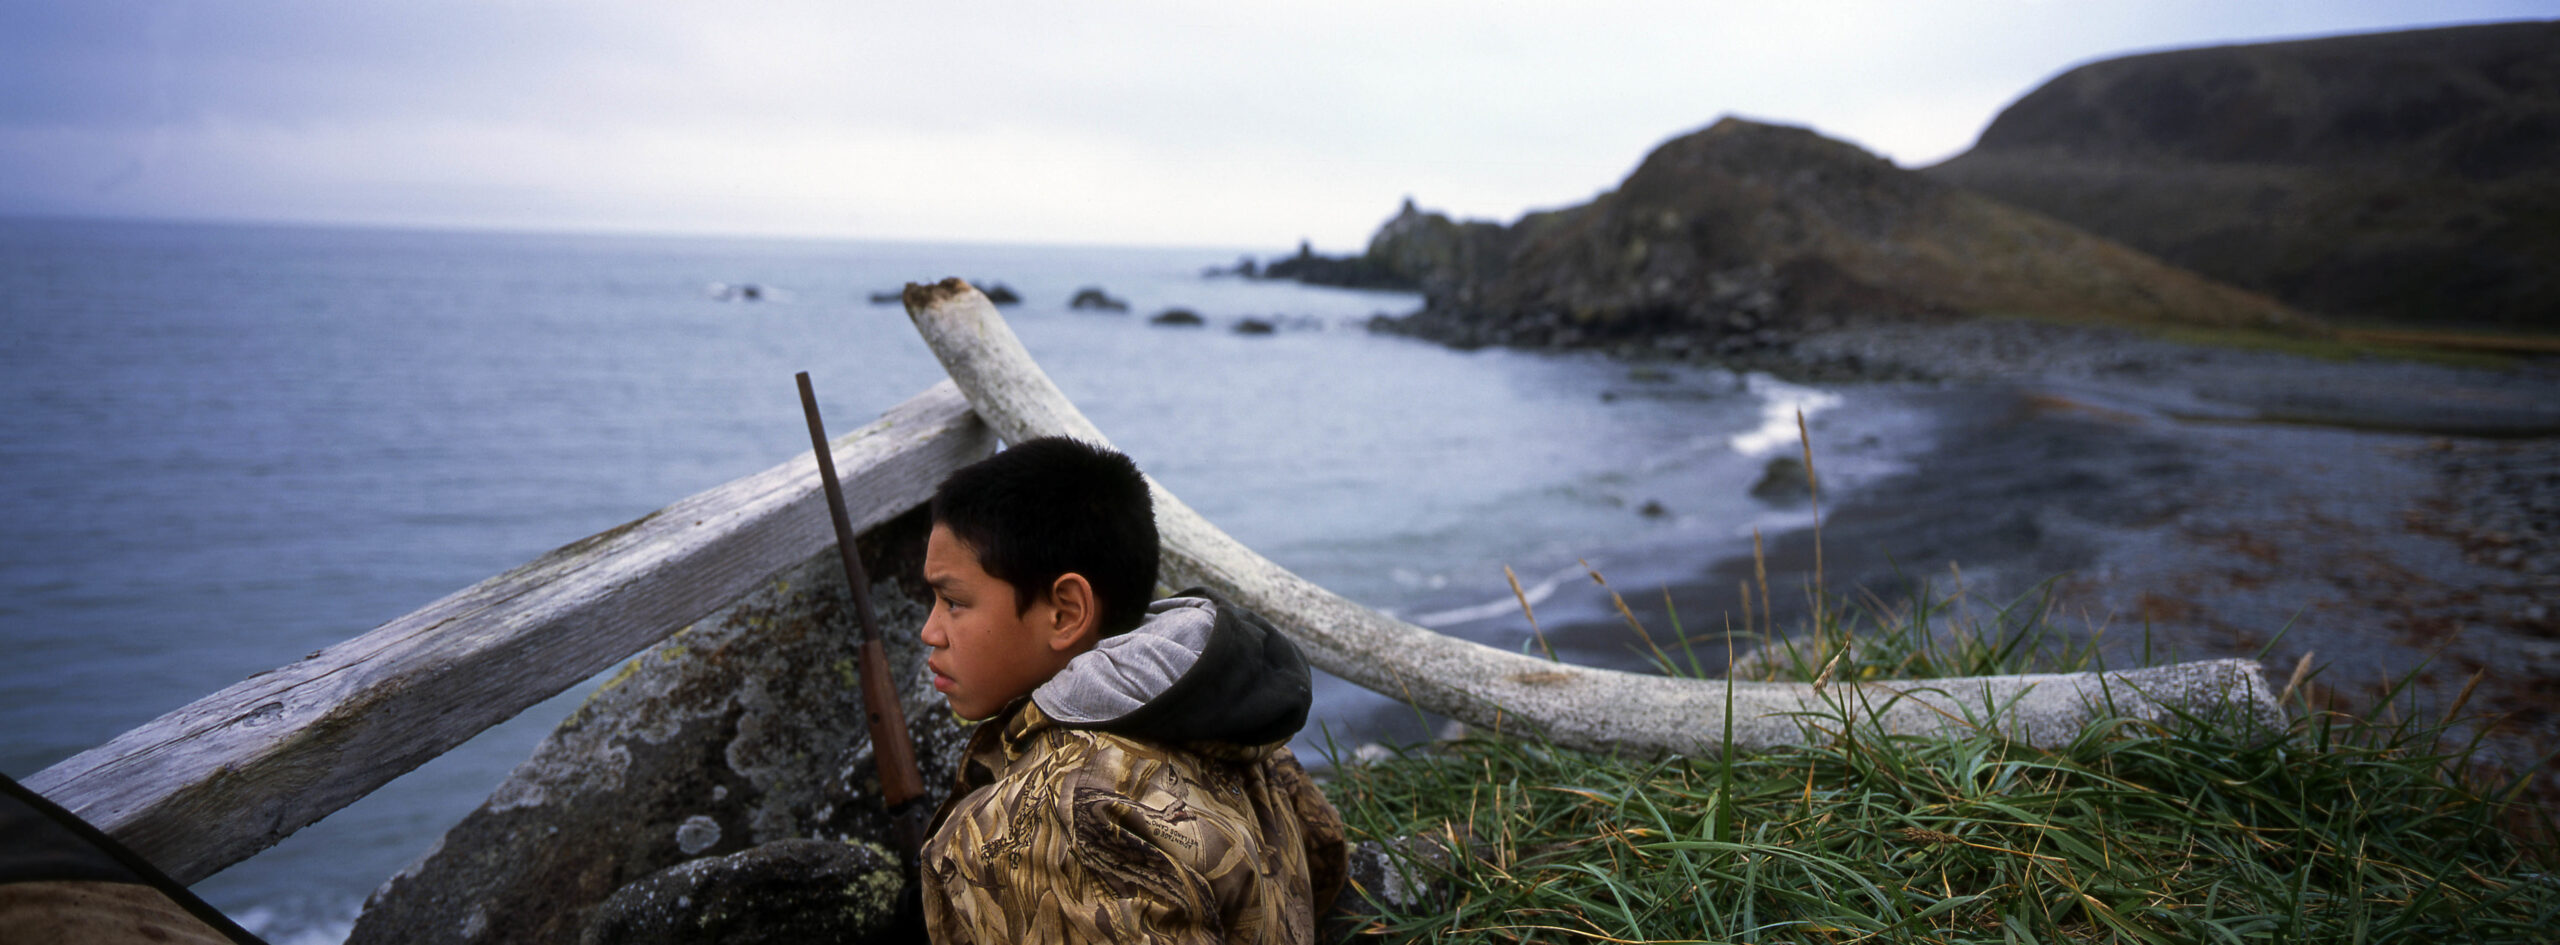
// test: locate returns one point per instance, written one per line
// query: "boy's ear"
(1076, 617)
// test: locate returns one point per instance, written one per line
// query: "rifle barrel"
(892, 748)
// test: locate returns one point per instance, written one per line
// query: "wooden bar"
(215, 782)
(1574, 706)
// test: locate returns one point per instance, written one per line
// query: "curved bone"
(1574, 706)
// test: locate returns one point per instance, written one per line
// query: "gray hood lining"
(1122, 673)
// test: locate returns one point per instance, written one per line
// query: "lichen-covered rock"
(787, 891)
(743, 729)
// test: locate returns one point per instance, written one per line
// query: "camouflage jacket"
(1085, 829)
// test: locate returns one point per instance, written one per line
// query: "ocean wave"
(1780, 404)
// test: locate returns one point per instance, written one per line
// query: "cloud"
(1146, 121)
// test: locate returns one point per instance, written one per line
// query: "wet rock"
(1177, 317)
(1092, 298)
(999, 293)
(1782, 483)
(1652, 508)
(787, 891)
(1255, 326)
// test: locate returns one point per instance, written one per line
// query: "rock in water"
(742, 730)
(1357, 272)
(1092, 297)
(780, 893)
(1782, 483)
(1176, 317)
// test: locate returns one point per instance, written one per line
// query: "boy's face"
(986, 652)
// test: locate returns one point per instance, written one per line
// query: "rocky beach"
(2175, 444)
(2381, 517)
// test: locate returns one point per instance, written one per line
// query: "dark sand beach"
(2183, 502)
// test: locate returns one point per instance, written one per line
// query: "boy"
(1132, 781)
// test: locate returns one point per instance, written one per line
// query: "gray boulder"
(787, 891)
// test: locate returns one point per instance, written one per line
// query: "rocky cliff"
(1744, 234)
(2411, 177)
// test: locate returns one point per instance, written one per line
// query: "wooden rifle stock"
(892, 748)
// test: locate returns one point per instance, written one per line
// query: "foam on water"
(1782, 406)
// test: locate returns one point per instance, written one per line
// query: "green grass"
(2332, 349)
(2326, 348)
(2340, 829)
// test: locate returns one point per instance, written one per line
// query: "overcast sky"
(1174, 123)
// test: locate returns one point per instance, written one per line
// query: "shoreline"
(2188, 501)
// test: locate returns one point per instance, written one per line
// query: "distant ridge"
(2409, 177)
(1743, 234)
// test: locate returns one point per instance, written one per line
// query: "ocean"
(229, 445)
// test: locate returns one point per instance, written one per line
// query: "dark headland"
(2139, 300)
(2411, 177)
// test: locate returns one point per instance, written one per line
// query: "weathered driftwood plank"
(229, 775)
(1576, 706)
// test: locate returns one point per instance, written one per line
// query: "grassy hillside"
(2409, 178)
(1746, 230)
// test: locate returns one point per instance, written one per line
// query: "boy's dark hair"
(1051, 506)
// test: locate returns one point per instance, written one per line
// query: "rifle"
(892, 749)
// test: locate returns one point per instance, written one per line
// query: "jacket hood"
(1198, 669)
